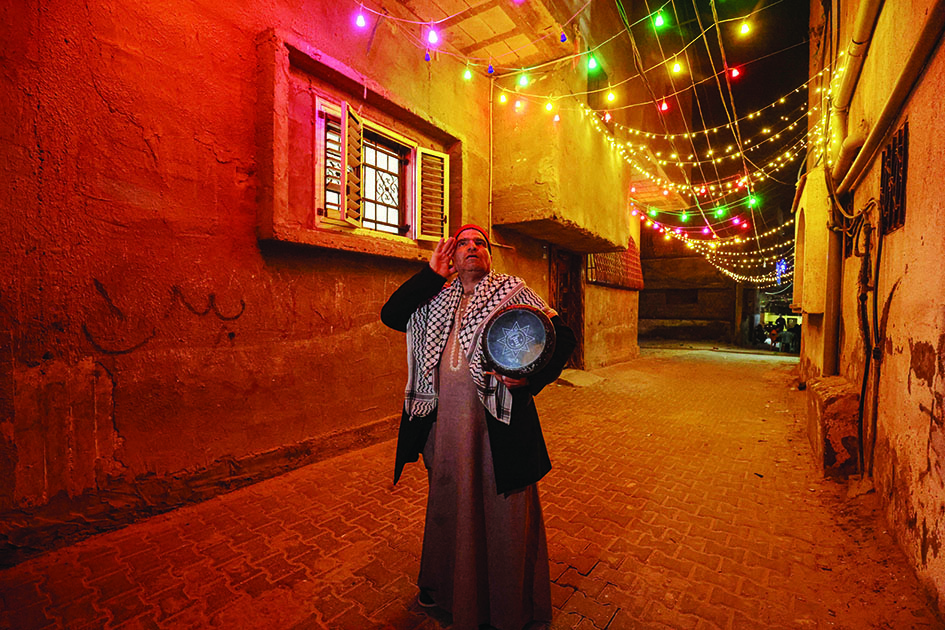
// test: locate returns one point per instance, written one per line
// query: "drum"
(518, 340)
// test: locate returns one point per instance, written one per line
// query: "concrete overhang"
(563, 233)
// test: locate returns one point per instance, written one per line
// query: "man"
(484, 556)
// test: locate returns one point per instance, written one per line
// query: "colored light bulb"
(684, 216)
(523, 80)
(549, 106)
(591, 63)
(360, 21)
(433, 37)
(745, 28)
(564, 37)
(735, 72)
(677, 67)
(664, 106)
(658, 21)
(503, 98)
(467, 74)
(611, 96)
(490, 69)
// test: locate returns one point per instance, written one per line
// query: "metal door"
(567, 296)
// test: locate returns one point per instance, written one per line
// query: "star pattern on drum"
(516, 339)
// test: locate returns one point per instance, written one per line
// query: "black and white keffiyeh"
(429, 328)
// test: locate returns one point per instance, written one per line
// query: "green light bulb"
(659, 21)
(684, 216)
(653, 212)
(523, 80)
(591, 63)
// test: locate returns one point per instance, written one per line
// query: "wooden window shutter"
(353, 132)
(433, 195)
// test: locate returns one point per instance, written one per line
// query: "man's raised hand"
(442, 260)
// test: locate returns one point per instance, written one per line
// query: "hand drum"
(518, 340)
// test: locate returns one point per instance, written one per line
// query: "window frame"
(409, 175)
(290, 70)
(413, 184)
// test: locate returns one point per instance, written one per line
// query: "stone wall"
(684, 297)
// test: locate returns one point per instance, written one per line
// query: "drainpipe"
(922, 52)
(863, 27)
(859, 44)
(848, 150)
(832, 304)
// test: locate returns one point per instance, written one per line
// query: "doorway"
(567, 296)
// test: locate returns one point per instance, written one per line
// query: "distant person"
(786, 340)
(485, 556)
(772, 340)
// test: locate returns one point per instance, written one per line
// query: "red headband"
(473, 226)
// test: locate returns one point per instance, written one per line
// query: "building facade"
(205, 205)
(869, 259)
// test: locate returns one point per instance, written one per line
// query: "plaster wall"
(540, 179)
(810, 292)
(611, 320)
(154, 350)
(610, 324)
(563, 181)
(904, 413)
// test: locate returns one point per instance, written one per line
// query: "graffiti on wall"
(177, 297)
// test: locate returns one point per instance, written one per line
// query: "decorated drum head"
(518, 340)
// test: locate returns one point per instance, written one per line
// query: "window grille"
(893, 180)
(620, 270)
(383, 173)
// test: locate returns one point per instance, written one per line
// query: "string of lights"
(774, 143)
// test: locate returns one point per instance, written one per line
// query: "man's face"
(472, 252)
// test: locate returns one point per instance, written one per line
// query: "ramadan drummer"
(485, 557)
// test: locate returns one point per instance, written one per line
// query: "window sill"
(355, 240)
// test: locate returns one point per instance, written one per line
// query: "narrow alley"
(683, 496)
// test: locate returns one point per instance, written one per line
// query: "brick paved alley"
(683, 496)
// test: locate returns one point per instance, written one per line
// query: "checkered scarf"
(429, 328)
